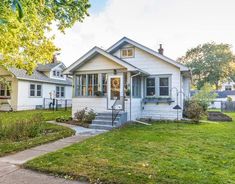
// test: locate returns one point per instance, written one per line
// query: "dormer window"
(127, 52)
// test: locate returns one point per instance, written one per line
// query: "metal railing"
(117, 107)
(55, 104)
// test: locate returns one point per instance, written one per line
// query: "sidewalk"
(11, 173)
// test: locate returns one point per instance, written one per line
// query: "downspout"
(131, 90)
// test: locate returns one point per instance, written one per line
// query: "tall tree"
(24, 40)
(210, 63)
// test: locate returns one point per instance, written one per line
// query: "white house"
(228, 85)
(137, 80)
(21, 91)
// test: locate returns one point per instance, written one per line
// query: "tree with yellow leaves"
(24, 41)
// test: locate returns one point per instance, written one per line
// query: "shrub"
(194, 110)
(63, 119)
(205, 96)
(85, 115)
(22, 129)
(229, 99)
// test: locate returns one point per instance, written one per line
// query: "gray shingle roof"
(38, 77)
(47, 67)
(220, 94)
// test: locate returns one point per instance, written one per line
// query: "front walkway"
(12, 173)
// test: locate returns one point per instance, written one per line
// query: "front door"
(115, 90)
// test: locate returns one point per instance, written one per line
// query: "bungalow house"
(21, 91)
(127, 82)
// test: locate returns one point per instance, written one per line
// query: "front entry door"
(115, 90)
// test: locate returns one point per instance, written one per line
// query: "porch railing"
(117, 107)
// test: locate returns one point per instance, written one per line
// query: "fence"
(55, 104)
(227, 106)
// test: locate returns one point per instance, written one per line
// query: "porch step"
(102, 127)
(104, 120)
(99, 117)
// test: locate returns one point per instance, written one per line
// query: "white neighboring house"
(229, 85)
(151, 78)
(26, 92)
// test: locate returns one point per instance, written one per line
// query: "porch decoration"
(115, 83)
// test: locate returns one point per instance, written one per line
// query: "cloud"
(178, 24)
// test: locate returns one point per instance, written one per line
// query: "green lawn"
(9, 117)
(49, 132)
(138, 154)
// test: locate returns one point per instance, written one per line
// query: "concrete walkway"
(12, 173)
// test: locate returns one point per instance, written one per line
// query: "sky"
(177, 24)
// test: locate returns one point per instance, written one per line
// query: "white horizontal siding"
(99, 63)
(97, 104)
(136, 110)
(160, 111)
(25, 102)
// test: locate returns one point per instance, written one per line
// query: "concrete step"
(102, 127)
(108, 114)
(5, 107)
(103, 122)
(106, 117)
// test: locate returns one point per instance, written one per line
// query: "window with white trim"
(5, 90)
(228, 88)
(60, 92)
(164, 86)
(127, 52)
(86, 84)
(158, 86)
(35, 90)
(150, 86)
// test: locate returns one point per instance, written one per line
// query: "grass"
(9, 117)
(165, 153)
(40, 133)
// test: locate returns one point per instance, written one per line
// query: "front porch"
(118, 96)
(5, 97)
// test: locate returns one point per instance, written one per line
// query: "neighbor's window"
(35, 90)
(60, 91)
(150, 85)
(127, 52)
(136, 87)
(5, 90)
(164, 86)
(228, 88)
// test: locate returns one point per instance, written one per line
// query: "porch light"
(114, 71)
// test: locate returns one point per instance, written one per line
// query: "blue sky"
(97, 6)
(177, 24)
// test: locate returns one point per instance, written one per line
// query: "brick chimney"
(160, 50)
(55, 60)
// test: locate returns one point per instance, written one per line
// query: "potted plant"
(98, 93)
(128, 92)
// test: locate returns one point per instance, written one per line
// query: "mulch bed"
(74, 122)
(218, 116)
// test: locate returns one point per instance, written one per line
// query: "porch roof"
(93, 52)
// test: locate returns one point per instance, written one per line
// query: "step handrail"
(116, 111)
